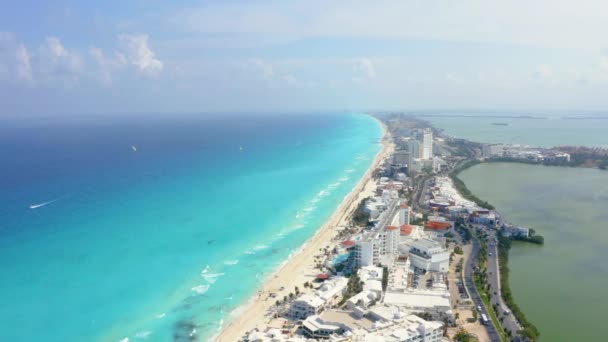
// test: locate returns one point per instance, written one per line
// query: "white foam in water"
(349, 170)
(200, 289)
(231, 262)
(143, 334)
(334, 185)
(309, 209)
(344, 179)
(160, 315)
(206, 269)
(126, 339)
(211, 277)
(259, 247)
(322, 193)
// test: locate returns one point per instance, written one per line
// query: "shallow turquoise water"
(164, 241)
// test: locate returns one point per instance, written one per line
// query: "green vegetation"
(529, 330)
(384, 278)
(458, 250)
(462, 188)
(360, 216)
(482, 286)
(465, 232)
(464, 336)
(354, 286)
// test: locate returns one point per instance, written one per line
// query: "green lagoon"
(561, 286)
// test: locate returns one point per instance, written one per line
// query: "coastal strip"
(301, 266)
(529, 330)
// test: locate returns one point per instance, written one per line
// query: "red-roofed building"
(406, 229)
(348, 244)
(437, 225)
(391, 228)
(322, 276)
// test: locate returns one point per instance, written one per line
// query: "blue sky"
(249, 56)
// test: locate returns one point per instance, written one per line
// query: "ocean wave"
(126, 339)
(315, 200)
(160, 315)
(205, 270)
(322, 193)
(349, 170)
(211, 277)
(143, 334)
(231, 262)
(344, 179)
(200, 289)
(309, 209)
(260, 247)
(334, 185)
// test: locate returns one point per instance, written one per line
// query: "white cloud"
(543, 71)
(56, 48)
(23, 68)
(291, 80)
(56, 63)
(107, 65)
(266, 70)
(139, 53)
(512, 22)
(365, 67)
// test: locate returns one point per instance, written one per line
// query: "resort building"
(492, 150)
(367, 250)
(401, 158)
(374, 206)
(330, 293)
(515, 231)
(429, 255)
(427, 144)
(404, 214)
(413, 147)
(380, 324)
(305, 305)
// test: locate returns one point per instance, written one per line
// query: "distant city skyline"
(254, 56)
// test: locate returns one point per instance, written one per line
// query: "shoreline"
(503, 247)
(300, 265)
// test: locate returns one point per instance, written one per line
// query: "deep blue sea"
(155, 227)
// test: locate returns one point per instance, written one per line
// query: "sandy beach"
(300, 267)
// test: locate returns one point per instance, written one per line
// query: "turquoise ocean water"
(155, 228)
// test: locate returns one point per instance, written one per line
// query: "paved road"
(509, 322)
(390, 213)
(469, 264)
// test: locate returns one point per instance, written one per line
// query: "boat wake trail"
(40, 205)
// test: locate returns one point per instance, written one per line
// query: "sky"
(77, 57)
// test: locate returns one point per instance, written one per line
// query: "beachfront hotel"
(380, 324)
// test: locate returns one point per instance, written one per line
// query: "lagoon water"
(561, 286)
(544, 130)
(155, 228)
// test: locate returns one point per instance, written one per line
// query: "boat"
(500, 124)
